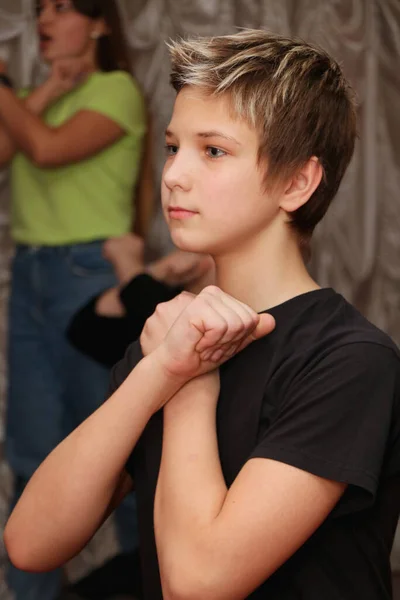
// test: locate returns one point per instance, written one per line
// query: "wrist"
(52, 89)
(157, 271)
(197, 397)
(159, 387)
(160, 364)
(206, 385)
(125, 273)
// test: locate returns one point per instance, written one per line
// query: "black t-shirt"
(321, 393)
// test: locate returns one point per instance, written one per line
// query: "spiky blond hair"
(292, 92)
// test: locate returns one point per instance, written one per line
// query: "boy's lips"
(178, 212)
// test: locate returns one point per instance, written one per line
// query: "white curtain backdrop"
(357, 250)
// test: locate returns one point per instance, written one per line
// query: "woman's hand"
(180, 269)
(192, 335)
(125, 253)
(67, 74)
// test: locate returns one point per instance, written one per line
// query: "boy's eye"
(171, 150)
(214, 152)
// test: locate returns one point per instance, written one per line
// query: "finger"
(225, 352)
(265, 325)
(247, 315)
(210, 323)
(216, 291)
(234, 324)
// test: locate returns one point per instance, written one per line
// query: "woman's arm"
(37, 102)
(71, 493)
(83, 136)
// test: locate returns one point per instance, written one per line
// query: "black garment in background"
(321, 393)
(106, 338)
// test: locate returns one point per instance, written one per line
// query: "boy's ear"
(302, 185)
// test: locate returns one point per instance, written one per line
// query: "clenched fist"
(192, 335)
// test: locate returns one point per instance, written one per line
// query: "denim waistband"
(59, 249)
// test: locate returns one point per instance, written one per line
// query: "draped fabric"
(357, 249)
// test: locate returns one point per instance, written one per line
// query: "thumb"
(265, 325)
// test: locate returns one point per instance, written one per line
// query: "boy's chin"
(188, 245)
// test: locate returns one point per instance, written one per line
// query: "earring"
(95, 35)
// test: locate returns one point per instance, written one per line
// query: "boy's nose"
(174, 176)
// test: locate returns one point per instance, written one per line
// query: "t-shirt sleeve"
(335, 421)
(141, 296)
(119, 98)
(103, 338)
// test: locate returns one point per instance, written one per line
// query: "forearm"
(36, 103)
(191, 488)
(126, 270)
(68, 496)
(41, 98)
(25, 129)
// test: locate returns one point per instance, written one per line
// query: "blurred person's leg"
(52, 387)
(35, 412)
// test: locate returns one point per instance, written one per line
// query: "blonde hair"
(293, 93)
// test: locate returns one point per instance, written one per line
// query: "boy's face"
(212, 189)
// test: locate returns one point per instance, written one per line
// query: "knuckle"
(223, 326)
(146, 329)
(185, 296)
(239, 327)
(160, 308)
(211, 289)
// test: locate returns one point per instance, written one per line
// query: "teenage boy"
(276, 476)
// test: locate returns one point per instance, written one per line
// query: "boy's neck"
(267, 272)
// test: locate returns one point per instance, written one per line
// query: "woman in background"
(75, 145)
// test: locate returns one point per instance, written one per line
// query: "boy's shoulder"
(316, 334)
(324, 321)
(311, 329)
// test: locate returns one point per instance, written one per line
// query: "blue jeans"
(52, 386)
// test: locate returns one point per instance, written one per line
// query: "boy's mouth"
(178, 212)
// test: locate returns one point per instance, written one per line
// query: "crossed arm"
(83, 136)
(220, 544)
(212, 542)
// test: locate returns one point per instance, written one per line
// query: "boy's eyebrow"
(209, 134)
